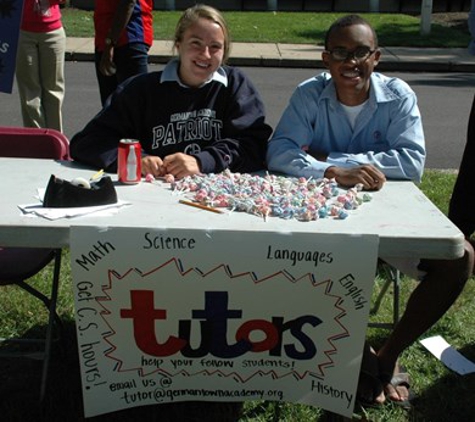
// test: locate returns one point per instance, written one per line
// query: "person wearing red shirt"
(40, 64)
(123, 37)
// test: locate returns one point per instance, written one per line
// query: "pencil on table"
(97, 175)
(200, 206)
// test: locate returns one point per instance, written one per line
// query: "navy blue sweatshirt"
(222, 123)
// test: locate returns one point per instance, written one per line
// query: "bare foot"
(396, 385)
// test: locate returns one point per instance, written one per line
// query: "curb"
(304, 56)
(403, 66)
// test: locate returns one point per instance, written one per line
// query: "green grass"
(293, 27)
(442, 395)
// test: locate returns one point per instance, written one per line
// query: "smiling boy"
(350, 123)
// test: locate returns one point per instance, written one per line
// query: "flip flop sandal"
(399, 379)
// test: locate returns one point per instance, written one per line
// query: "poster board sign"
(179, 315)
(10, 20)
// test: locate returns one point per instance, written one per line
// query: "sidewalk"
(303, 55)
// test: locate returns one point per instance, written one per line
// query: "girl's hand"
(181, 165)
(152, 164)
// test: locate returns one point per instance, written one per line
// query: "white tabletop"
(407, 223)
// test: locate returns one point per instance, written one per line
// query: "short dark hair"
(349, 20)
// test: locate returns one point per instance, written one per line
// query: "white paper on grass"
(450, 357)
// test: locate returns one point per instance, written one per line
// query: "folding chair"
(392, 277)
(25, 142)
(18, 265)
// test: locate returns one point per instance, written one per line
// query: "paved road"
(444, 98)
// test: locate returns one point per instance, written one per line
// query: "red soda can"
(129, 161)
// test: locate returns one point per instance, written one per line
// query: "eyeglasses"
(359, 54)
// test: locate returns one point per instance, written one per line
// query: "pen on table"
(200, 206)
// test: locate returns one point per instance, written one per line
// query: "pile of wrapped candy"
(272, 195)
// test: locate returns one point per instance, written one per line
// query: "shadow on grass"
(20, 387)
(450, 395)
(448, 398)
(403, 36)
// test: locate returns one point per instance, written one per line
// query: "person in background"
(471, 28)
(460, 207)
(123, 37)
(460, 202)
(359, 126)
(40, 64)
(196, 116)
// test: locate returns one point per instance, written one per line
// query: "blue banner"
(10, 19)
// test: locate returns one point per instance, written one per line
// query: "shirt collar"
(379, 93)
(170, 74)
